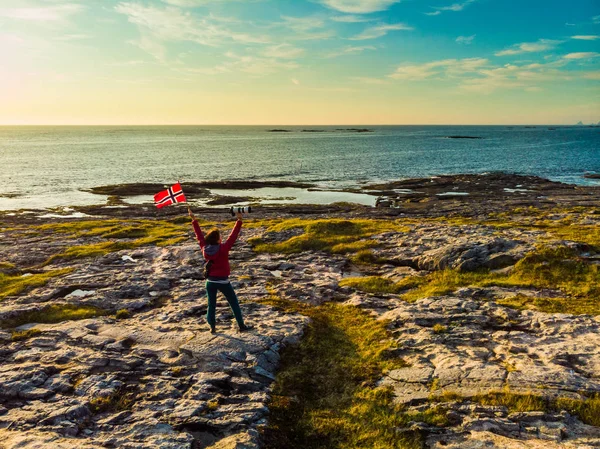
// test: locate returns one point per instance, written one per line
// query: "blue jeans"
(211, 292)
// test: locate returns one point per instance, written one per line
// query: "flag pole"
(186, 201)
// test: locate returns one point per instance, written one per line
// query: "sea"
(49, 167)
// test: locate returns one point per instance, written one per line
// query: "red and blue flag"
(170, 196)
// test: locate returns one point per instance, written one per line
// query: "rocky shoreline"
(103, 341)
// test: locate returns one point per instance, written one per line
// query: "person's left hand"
(238, 215)
(191, 214)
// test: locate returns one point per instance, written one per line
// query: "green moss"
(367, 257)
(572, 305)
(146, 233)
(557, 268)
(587, 410)
(122, 314)
(25, 335)
(117, 402)
(7, 266)
(15, 285)
(371, 284)
(129, 232)
(440, 329)
(332, 235)
(514, 402)
(54, 313)
(325, 394)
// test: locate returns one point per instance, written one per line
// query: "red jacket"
(219, 254)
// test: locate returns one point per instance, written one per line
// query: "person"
(217, 270)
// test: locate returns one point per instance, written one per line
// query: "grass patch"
(54, 313)
(572, 305)
(440, 329)
(25, 335)
(117, 402)
(514, 402)
(332, 235)
(367, 257)
(15, 285)
(116, 236)
(587, 410)
(122, 314)
(325, 394)
(371, 284)
(556, 268)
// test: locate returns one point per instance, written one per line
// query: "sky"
(255, 62)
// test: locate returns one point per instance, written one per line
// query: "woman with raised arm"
(217, 270)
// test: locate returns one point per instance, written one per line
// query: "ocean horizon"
(51, 166)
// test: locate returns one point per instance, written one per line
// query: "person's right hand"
(238, 215)
(191, 214)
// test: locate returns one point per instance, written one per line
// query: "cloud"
(351, 18)
(170, 24)
(284, 51)
(54, 13)
(307, 28)
(359, 6)
(446, 67)
(596, 20)
(303, 23)
(193, 3)
(379, 31)
(465, 39)
(454, 7)
(582, 55)
(350, 50)
(295, 81)
(529, 47)
(480, 76)
(457, 6)
(586, 37)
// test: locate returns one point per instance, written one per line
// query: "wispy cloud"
(351, 18)
(307, 28)
(481, 76)
(446, 67)
(52, 13)
(284, 51)
(295, 81)
(253, 65)
(465, 39)
(303, 23)
(170, 24)
(529, 47)
(457, 6)
(582, 55)
(349, 50)
(586, 37)
(453, 7)
(359, 6)
(380, 30)
(596, 20)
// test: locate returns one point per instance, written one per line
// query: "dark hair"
(213, 237)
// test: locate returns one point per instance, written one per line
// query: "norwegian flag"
(170, 196)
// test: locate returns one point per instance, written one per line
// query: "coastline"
(485, 301)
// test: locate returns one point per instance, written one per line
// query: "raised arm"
(197, 230)
(234, 234)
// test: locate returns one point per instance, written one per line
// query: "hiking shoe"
(245, 328)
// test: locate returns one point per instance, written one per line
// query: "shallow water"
(47, 166)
